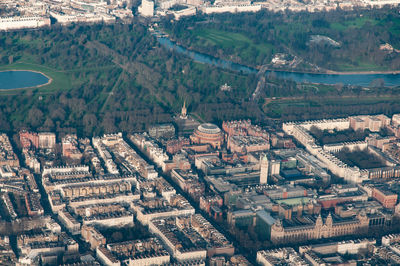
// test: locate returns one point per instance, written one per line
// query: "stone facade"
(320, 229)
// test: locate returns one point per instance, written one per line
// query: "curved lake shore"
(22, 79)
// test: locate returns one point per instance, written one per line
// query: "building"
(307, 228)
(162, 131)
(332, 253)
(33, 206)
(175, 145)
(184, 111)
(191, 237)
(244, 128)
(92, 236)
(264, 169)
(70, 149)
(15, 23)
(281, 256)
(106, 258)
(387, 198)
(264, 223)
(7, 156)
(208, 134)
(396, 120)
(210, 9)
(47, 140)
(184, 123)
(146, 9)
(158, 208)
(371, 122)
(89, 189)
(69, 222)
(28, 139)
(144, 252)
(300, 132)
(244, 144)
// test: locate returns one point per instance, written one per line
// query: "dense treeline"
(125, 233)
(320, 108)
(117, 77)
(360, 158)
(359, 34)
(113, 78)
(335, 136)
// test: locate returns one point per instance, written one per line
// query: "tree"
(35, 117)
(89, 122)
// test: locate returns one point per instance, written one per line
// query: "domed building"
(208, 134)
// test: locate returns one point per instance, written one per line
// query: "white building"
(15, 23)
(47, 140)
(146, 9)
(264, 165)
(150, 260)
(281, 256)
(231, 9)
(300, 132)
(190, 11)
(396, 120)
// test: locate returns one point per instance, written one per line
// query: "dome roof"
(209, 128)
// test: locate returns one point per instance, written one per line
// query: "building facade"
(320, 229)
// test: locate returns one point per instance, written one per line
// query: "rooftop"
(209, 128)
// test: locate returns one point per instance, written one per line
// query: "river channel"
(362, 79)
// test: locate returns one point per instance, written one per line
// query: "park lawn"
(320, 89)
(232, 40)
(29, 41)
(276, 107)
(355, 23)
(360, 66)
(395, 27)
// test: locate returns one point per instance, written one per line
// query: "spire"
(329, 220)
(184, 111)
(318, 222)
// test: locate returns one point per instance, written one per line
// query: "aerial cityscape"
(192, 132)
(233, 195)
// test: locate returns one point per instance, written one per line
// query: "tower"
(264, 167)
(329, 220)
(184, 111)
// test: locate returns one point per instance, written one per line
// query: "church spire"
(184, 111)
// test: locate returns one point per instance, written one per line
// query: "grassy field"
(360, 66)
(321, 89)
(245, 47)
(355, 23)
(395, 26)
(230, 39)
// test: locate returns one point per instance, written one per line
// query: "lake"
(16, 79)
(363, 79)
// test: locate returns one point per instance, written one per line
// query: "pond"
(17, 79)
